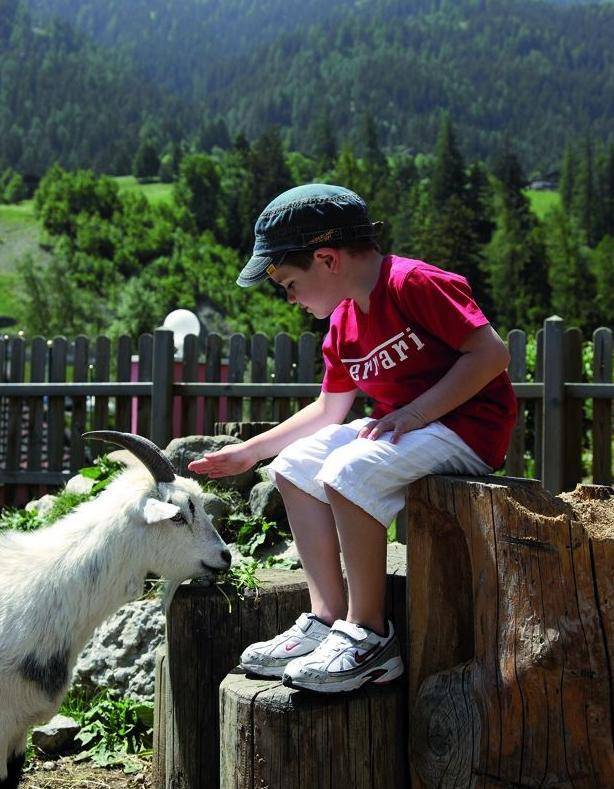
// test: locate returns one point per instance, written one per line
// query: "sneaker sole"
(271, 672)
(392, 669)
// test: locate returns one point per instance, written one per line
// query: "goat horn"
(145, 450)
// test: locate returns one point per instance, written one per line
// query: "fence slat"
(189, 404)
(259, 357)
(17, 358)
(538, 404)
(213, 370)
(143, 418)
(162, 387)
(102, 369)
(38, 365)
(123, 405)
(517, 345)
(55, 419)
(78, 424)
(553, 425)
(236, 372)
(572, 371)
(283, 374)
(602, 408)
(306, 366)
(4, 401)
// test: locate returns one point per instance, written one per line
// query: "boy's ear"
(329, 256)
(155, 510)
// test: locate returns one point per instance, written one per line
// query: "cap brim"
(255, 270)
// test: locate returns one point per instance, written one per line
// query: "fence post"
(553, 423)
(602, 408)
(162, 387)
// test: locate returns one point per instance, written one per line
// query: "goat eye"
(178, 518)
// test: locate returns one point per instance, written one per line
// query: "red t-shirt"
(419, 315)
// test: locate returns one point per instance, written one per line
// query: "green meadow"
(542, 202)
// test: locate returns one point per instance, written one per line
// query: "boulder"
(80, 484)
(121, 653)
(42, 505)
(57, 736)
(265, 501)
(217, 509)
(182, 451)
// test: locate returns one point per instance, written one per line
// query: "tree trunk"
(511, 629)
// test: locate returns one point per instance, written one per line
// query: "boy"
(409, 335)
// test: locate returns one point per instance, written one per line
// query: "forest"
(119, 263)
(84, 82)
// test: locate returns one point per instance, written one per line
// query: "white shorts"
(373, 474)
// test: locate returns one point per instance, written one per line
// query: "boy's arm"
(330, 408)
(484, 357)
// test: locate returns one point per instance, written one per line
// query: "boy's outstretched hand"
(398, 422)
(226, 462)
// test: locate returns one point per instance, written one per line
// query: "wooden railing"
(51, 391)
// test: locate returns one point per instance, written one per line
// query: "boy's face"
(317, 289)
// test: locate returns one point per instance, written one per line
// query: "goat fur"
(59, 583)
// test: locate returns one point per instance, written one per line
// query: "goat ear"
(156, 510)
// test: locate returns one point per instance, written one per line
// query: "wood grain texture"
(518, 693)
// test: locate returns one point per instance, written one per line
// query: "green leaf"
(91, 472)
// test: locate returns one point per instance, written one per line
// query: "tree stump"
(280, 738)
(511, 631)
(203, 643)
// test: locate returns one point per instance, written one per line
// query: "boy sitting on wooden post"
(411, 337)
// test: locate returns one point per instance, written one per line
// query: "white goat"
(59, 583)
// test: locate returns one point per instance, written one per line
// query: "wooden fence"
(51, 391)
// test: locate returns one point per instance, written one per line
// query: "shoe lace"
(333, 644)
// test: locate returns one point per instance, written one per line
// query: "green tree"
(146, 162)
(448, 178)
(197, 189)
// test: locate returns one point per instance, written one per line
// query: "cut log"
(511, 631)
(204, 642)
(287, 739)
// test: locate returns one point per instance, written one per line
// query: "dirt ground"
(64, 773)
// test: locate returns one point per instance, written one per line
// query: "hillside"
(534, 72)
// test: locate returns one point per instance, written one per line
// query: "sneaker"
(349, 657)
(269, 658)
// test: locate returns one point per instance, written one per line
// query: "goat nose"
(226, 557)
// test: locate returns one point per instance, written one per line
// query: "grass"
(21, 213)
(155, 192)
(542, 201)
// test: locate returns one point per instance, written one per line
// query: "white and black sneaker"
(269, 658)
(348, 658)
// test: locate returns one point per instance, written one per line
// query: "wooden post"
(55, 412)
(162, 387)
(236, 373)
(283, 374)
(78, 424)
(602, 408)
(573, 412)
(143, 418)
(212, 373)
(553, 438)
(123, 404)
(538, 412)
(259, 358)
(190, 373)
(510, 634)
(517, 344)
(17, 350)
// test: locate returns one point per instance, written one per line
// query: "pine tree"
(448, 176)
(584, 200)
(568, 170)
(146, 162)
(197, 189)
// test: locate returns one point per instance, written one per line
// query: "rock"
(265, 501)
(50, 766)
(57, 736)
(262, 473)
(121, 653)
(42, 505)
(80, 484)
(216, 508)
(182, 451)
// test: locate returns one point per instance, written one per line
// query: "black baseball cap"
(305, 217)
